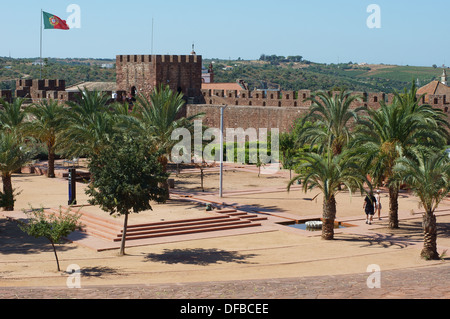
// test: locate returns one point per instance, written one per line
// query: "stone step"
(241, 214)
(131, 232)
(92, 220)
(104, 234)
(180, 221)
(235, 213)
(190, 231)
(174, 224)
(226, 211)
(255, 217)
(111, 230)
(93, 225)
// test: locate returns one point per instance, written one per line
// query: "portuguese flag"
(53, 22)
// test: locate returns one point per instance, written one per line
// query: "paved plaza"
(271, 261)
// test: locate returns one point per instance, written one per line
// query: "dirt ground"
(281, 253)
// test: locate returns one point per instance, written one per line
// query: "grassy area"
(406, 74)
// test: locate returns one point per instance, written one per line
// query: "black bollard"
(72, 186)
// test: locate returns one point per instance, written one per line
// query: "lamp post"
(222, 108)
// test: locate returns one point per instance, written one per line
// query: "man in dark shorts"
(369, 207)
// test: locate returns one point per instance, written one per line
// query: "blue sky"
(327, 31)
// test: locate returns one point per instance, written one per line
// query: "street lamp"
(222, 108)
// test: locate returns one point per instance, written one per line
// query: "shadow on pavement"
(198, 256)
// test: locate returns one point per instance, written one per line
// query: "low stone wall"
(248, 116)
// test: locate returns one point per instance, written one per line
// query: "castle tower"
(444, 77)
(211, 73)
(142, 73)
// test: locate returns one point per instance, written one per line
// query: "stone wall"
(248, 116)
(6, 95)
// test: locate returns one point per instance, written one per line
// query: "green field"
(315, 76)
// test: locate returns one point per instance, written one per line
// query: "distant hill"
(72, 70)
(292, 73)
(315, 76)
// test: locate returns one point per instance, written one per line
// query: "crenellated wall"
(6, 95)
(280, 98)
(36, 90)
(277, 109)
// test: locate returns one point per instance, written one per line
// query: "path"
(421, 283)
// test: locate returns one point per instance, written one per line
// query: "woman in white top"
(378, 204)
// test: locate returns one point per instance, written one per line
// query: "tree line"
(126, 146)
(277, 59)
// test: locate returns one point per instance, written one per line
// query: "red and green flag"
(53, 22)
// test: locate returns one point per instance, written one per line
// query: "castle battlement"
(189, 59)
(41, 85)
(300, 98)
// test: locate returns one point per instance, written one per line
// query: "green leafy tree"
(52, 226)
(126, 177)
(45, 125)
(428, 176)
(327, 173)
(288, 151)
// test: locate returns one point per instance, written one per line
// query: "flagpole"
(40, 61)
(152, 35)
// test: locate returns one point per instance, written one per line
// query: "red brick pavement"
(421, 283)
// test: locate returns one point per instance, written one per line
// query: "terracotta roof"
(434, 87)
(221, 86)
(428, 89)
(442, 89)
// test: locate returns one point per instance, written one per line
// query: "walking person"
(369, 207)
(378, 204)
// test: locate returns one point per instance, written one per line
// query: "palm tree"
(390, 132)
(89, 124)
(332, 115)
(12, 158)
(45, 125)
(328, 173)
(12, 115)
(428, 176)
(158, 115)
(87, 135)
(89, 102)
